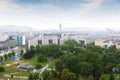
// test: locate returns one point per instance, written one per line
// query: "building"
(32, 42)
(104, 43)
(107, 43)
(21, 40)
(99, 43)
(54, 38)
(49, 40)
(3, 37)
(118, 45)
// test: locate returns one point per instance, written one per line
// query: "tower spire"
(60, 26)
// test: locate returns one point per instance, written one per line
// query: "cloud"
(93, 4)
(53, 12)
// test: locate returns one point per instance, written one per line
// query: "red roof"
(106, 41)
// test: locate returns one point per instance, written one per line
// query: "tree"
(71, 45)
(72, 76)
(5, 57)
(35, 76)
(42, 58)
(51, 76)
(1, 59)
(51, 50)
(108, 67)
(38, 66)
(86, 64)
(97, 67)
(59, 65)
(93, 48)
(71, 42)
(12, 76)
(47, 75)
(9, 55)
(90, 77)
(111, 77)
(65, 48)
(103, 77)
(13, 53)
(21, 52)
(80, 77)
(112, 49)
(118, 67)
(2, 69)
(65, 74)
(28, 55)
(85, 68)
(32, 50)
(30, 77)
(38, 49)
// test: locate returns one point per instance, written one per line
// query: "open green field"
(13, 68)
(32, 61)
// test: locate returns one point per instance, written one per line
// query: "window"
(50, 41)
(39, 42)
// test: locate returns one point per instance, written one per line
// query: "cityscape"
(59, 40)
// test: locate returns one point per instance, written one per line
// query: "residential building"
(49, 40)
(104, 43)
(32, 42)
(21, 40)
(118, 45)
(3, 37)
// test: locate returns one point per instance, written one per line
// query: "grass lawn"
(3, 78)
(33, 61)
(13, 68)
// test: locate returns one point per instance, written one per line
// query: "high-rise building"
(21, 40)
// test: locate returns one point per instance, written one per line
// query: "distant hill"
(11, 28)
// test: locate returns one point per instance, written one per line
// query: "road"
(40, 71)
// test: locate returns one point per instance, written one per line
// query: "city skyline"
(48, 14)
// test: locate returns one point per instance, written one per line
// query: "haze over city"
(48, 14)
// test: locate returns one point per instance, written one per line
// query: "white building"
(104, 43)
(32, 42)
(49, 40)
(117, 45)
(3, 37)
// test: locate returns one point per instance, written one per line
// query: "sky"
(48, 14)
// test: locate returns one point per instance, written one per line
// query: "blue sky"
(48, 14)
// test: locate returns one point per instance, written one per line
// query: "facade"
(78, 39)
(99, 43)
(104, 43)
(49, 40)
(3, 37)
(52, 39)
(32, 42)
(107, 43)
(118, 45)
(21, 40)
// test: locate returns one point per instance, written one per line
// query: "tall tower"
(60, 35)
(60, 26)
